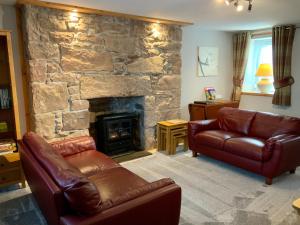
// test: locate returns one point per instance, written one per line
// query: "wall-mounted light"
(237, 4)
(73, 16)
(155, 30)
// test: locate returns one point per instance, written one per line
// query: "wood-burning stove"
(117, 133)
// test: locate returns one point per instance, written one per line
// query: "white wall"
(265, 103)
(8, 22)
(191, 85)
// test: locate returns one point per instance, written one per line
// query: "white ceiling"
(208, 14)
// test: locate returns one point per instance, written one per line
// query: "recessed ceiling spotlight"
(227, 2)
(237, 4)
(239, 8)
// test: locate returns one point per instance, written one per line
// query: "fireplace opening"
(117, 124)
(118, 133)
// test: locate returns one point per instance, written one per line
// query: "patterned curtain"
(241, 43)
(283, 38)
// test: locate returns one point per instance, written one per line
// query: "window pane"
(260, 53)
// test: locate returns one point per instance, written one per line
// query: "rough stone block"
(44, 125)
(71, 78)
(49, 97)
(78, 120)
(62, 37)
(150, 118)
(81, 59)
(169, 82)
(114, 86)
(43, 50)
(74, 90)
(53, 67)
(146, 65)
(150, 142)
(123, 45)
(38, 70)
(77, 105)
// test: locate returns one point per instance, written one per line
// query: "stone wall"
(73, 58)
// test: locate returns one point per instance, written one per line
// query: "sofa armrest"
(195, 127)
(285, 150)
(75, 145)
(161, 206)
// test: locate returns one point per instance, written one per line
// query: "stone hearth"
(73, 59)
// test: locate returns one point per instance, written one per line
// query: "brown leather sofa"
(264, 143)
(74, 184)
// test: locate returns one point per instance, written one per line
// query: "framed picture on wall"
(208, 61)
(5, 98)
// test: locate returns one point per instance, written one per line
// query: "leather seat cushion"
(91, 162)
(116, 182)
(235, 120)
(251, 148)
(214, 138)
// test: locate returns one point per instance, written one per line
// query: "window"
(260, 54)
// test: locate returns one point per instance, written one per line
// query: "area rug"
(214, 193)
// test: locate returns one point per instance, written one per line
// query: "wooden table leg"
(168, 140)
(158, 137)
(186, 145)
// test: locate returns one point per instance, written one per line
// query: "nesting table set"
(169, 135)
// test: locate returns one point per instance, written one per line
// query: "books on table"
(7, 146)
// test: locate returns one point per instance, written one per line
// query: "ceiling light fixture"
(237, 4)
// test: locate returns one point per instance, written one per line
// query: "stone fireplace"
(75, 61)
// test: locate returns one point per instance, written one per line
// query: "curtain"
(283, 38)
(241, 43)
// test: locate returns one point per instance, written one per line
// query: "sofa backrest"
(48, 195)
(81, 194)
(266, 125)
(74, 145)
(235, 120)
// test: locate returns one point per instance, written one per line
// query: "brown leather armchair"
(74, 184)
(264, 143)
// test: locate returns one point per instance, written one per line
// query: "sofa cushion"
(235, 120)
(288, 125)
(266, 125)
(214, 138)
(91, 162)
(115, 182)
(80, 192)
(251, 148)
(74, 145)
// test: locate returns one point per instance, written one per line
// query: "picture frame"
(208, 61)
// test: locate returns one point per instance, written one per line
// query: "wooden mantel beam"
(99, 12)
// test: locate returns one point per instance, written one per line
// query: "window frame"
(254, 35)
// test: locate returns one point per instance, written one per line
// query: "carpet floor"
(214, 193)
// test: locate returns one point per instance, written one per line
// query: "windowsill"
(257, 94)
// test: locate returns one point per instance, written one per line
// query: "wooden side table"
(11, 170)
(169, 133)
(296, 205)
(210, 110)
